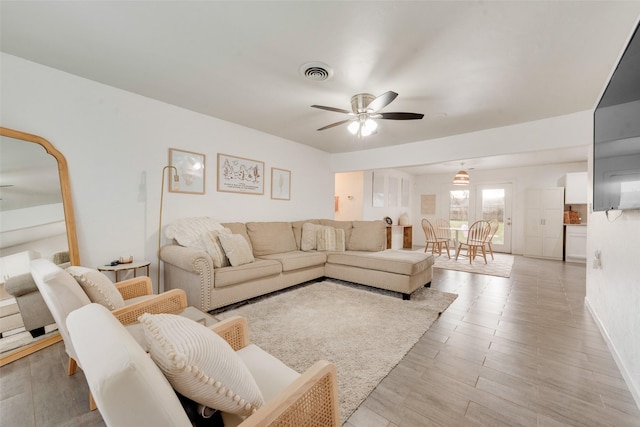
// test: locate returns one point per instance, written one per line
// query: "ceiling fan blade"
(400, 116)
(341, 122)
(382, 101)
(337, 110)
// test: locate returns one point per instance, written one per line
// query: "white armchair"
(130, 389)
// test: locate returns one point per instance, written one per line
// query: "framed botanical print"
(280, 184)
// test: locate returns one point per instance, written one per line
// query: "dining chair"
(443, 228)
(476, 238)
(432, 238)
(492, 232)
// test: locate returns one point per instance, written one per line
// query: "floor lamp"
(176, 178)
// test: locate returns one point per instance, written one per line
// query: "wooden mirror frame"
(69, 218)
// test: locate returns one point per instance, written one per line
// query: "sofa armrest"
(234, 330)
(166, 302)
(190, 270)
(312, 399)
(135, 287)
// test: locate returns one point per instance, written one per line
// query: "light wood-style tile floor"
(508, 352)
(522, 351)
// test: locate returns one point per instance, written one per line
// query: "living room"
(116, 143)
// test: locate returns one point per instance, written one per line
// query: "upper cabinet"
(575, 185)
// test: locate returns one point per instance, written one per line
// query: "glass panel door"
(494, 203)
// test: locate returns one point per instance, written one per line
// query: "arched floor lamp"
(176, 178)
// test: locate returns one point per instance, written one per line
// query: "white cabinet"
(544, 215)
(575, 188)
(575, 243)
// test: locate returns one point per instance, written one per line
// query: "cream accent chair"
(62, 294)
(130, 390)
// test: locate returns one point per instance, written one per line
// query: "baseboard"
(628, 379)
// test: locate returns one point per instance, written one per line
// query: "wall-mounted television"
(616, 135)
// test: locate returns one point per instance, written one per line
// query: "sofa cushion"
(200, 364)
(98, 287)
(298, 259)
(212, 245)
(393, 261)
(260, 268)
(187, 231)
(297, 229)
(236, 249)
(367, 236)
(271, 237)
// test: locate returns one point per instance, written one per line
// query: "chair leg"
(92, 403)
(458, 250)
(446, 245)
(72, 367)
(484, 254)
(490, 250)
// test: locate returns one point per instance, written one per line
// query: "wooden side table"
(124, 267)
(407, 236)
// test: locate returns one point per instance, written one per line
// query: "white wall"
(521, 178)
(116, 144)
(613, 290)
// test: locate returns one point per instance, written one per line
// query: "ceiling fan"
(366, 108)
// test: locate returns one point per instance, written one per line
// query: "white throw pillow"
(200, 364)
(330, 239)
(308, 238)
(187, 231)
(236, 248)
(98, 287)
(212, 245)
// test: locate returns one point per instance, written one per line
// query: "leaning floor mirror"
(36, 221)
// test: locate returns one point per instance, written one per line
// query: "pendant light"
(462, 177)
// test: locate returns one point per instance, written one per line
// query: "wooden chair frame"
(476, 239)
(432, 238)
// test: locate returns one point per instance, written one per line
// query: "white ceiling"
(466, 65)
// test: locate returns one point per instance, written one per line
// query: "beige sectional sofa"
(282, 257)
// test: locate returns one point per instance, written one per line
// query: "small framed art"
(280, 184)
(190, 170)
(240, 175)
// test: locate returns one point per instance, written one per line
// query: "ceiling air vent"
(316, 71)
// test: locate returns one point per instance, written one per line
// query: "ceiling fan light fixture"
(371, 125)
(353, 127)
(462, 177)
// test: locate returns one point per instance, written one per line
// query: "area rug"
(365, 332)
(500, 266)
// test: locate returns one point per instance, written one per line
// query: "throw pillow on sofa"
(98, 287)
(211, 243)
(200, 365)
(236, 249)
(308, 239)
(330, 239)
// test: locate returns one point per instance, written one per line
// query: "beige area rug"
(500, 266)
(365, 332)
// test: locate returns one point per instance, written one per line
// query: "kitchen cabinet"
(544, 215)
(575, 185)
(575, 243)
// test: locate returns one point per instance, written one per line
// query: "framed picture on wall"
(280, 184)
(190, 170)
(240, 175)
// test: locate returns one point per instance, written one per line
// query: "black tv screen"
(616, 136)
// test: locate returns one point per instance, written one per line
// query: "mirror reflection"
(32, 225)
